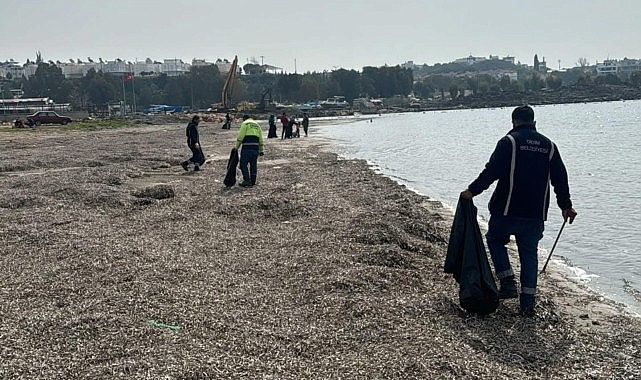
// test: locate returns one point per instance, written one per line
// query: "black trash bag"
(467, 260)
(232, 164)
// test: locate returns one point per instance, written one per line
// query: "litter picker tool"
(554, 246)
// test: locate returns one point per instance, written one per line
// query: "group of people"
(524, 162)
(291, 127)
(250, 137)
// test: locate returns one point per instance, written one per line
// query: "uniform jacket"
(250, 136)
(192, 134)
(525, 163)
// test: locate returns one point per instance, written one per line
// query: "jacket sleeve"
(497, 165)
(559, 180)
(261, 146)
(241, 135)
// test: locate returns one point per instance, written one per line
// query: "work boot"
(508, 288)
(527, 302)
(185, 165)
(196, 167)
(245, 184)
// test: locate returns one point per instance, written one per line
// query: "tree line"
(202, 86)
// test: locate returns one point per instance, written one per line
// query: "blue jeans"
(249, 157)
(527, 232)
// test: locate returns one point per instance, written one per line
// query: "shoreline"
(324, 269)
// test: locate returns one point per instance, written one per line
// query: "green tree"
(348, 81)
(99, 91)
(454, 90)
(48, 81)
(608, 79)
(635, 79)
(554, 81)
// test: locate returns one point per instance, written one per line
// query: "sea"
(438, 153)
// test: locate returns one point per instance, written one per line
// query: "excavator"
(230, 84)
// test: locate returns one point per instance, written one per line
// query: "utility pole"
(261, 60)
(294, 65)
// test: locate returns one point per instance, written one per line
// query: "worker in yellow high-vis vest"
(250, 136)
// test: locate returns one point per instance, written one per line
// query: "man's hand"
(197, 146)
(569, 213)
(261, 154)
(467, 194)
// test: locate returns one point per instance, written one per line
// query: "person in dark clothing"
(272, 127)
(289, 131)
(227, 124)
(305, 123)
(285, 122)
(193, 142)
(524, 162)
(250, 136)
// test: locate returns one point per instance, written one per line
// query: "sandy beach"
(116, 263)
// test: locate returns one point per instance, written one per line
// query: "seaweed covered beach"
(116, 263)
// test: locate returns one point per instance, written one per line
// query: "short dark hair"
(523, 114)
(245, 117)
(195, 118)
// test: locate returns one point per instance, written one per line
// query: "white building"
(623, 67)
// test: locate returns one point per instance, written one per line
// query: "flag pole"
(133, 89)
(124, 97)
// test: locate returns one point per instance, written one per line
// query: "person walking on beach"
(250, 136)
(290, 132)
(524, 162)
(272, 127)
(285, 121)
(227, 124)
(193, 142)
(305, 123)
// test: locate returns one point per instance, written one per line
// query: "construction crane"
(230, 84)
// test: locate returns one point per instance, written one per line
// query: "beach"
(117, 263)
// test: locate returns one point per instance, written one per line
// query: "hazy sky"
(317, 35)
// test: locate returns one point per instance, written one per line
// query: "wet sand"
(323, 270)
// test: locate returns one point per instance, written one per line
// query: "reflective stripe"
(547, 188)
(505, 274)
(512, 168)
(525, 290)
(245, 144)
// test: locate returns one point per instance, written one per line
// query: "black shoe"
(185, 165)
(245, 184)
(528, 312)
(508, 289)
(196, 168)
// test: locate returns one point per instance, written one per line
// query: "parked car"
(47, 117)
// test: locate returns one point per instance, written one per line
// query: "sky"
(316, 35)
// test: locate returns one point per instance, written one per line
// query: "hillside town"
(120, 87)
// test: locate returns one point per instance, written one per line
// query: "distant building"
(622, 68)
(470, 60)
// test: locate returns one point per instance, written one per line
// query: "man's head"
(245, 117)
(195, 119)
(523, 115)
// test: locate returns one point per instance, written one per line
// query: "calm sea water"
(439, 153)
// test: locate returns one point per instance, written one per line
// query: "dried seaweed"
(323, 270)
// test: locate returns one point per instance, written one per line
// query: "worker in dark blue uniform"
(193, 142)
(524, 162)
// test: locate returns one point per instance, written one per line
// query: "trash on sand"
(163, 325)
